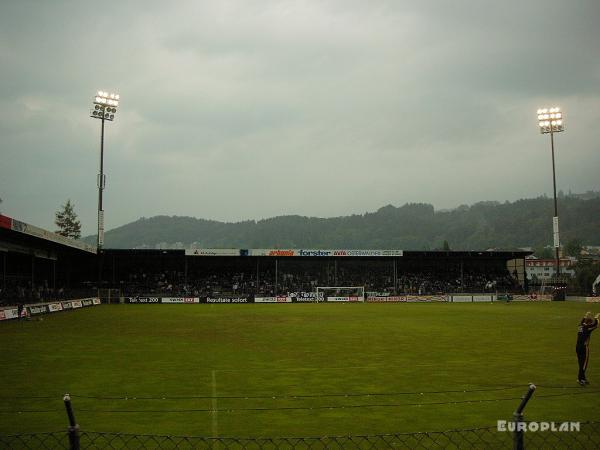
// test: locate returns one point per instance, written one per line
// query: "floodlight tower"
(550, 121)
(105, 108)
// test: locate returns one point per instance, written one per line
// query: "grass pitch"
(294, 370)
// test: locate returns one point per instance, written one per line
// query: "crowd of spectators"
(268, 283)
(20, 291)
(223, 281)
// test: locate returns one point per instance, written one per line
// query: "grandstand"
(39, 266)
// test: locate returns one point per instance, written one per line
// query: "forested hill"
(416, 226)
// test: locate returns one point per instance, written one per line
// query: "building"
(545, 269)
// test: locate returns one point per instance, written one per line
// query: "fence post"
(518, 419)
(73, 427)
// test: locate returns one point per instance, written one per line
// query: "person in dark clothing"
(584, 332)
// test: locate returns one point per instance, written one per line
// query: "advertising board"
(37, 309)
(305, 297)
(180, 300)
(227, 300)
(280, 299)
(212, 252)
(387, 298)
(311, 252)
(55, 307)
(142, 300)
(9, 313)
(426, 298)
(338, 299)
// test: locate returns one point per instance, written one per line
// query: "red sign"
(5, 222)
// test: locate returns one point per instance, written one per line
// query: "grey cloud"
(236, 110)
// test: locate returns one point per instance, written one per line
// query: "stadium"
(349, 348)
(329, 225)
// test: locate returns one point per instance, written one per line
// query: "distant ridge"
(413, 226)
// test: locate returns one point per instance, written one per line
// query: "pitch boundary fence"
(518, 435)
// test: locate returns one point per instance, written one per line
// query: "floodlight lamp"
(545, 110)
(559, 122)
(117, 96)
(539, 111)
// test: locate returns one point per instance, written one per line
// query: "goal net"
(109, 295)
(340, 294)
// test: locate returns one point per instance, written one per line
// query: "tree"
(586, 272)
(573, 247)
(446, 246)
(67, 222)
(544, 253)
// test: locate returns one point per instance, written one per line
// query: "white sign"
(272, 299)
(322, 253)
(338, 299)
(212, 252)
(180, 300)
(54, 307)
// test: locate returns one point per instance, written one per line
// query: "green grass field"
(295, 364)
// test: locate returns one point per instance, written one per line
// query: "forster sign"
(322, 253)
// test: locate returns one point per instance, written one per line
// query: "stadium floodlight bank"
(105, 108)
(340, 294)
(551, 120)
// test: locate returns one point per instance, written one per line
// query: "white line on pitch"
(321, 369)
(215, 417)
(298, 369)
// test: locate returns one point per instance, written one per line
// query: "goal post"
(340, 294)
(109, 295)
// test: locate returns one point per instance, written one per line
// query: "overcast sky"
(252, 109)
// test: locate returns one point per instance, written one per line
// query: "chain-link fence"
(588, 437)
(517, 434)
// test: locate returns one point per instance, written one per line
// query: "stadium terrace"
(39, 266)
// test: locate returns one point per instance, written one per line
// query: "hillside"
(416, 226)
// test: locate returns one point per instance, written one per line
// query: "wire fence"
(588, 437)
(516, 433)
